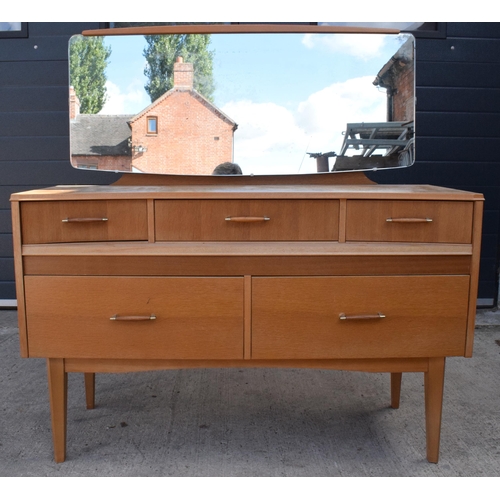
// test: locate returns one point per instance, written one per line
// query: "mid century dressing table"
(176, 272)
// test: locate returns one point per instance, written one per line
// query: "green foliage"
(161, 53)
(88, 59)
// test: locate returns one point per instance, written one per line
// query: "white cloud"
(362, 46)
(120, 102)
(325, 113)
(267, 139)
(271, 137)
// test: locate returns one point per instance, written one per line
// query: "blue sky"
(289, 94)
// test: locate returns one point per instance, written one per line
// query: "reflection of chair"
(370, 137)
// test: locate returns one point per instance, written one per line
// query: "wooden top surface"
(243, 248)
(268, 191)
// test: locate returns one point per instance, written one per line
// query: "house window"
(13, 30)
(152, 124)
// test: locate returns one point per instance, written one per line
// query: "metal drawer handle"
(133, 318)
(86, 219)
(343, 316)
(409, 219)
(247, 219)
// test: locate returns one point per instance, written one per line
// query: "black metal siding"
(34, 128)
(458, 125)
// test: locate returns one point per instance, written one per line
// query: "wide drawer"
(234, 220)
(407, 221)
(154, 318)
(79, 221)
(359, 317)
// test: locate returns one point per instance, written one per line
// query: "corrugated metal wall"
(34, 124)
(458, 125)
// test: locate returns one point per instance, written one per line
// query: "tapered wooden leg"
(90, 390)
(396, 389)
(434, 385)
(58, 394)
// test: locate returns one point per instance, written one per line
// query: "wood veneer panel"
(206, 220)
(196, 318)
(236, 187)
(19, 273)
(135, 365)
(227, 266)
(383, 220)
(475, 262)
(300, 317)
(42, 222)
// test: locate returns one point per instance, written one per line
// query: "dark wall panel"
(49, 173)
(34, 124)
(458, 124)
(475, 30)
(7, 290)
(34, 129)
(458, 127)
(458, 74)
(34, 48)
(471, 50)
(469, 149)
(34, 73)
(6, 245)
(452, 99)
(32, 99)
(34, 148)
(7, 268)
(5, 222)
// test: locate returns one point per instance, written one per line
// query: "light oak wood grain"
(434, 386)
(300, 317)
(42, 222)
(359, 265)
(448, 222)
(58, 397)
(207, 220)
(267, 292)
(196, 318)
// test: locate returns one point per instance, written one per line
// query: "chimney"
(183, 74)
(74, 104)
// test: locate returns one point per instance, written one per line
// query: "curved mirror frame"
(258, 103)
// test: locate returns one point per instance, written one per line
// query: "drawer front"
(196, 318)
(396, 316)
(80, 221)
(407, 221)
(244, 220)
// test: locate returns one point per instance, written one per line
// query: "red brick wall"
(403, 100)
(119, 163)
(191, 138)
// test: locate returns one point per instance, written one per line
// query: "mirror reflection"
(242, 104)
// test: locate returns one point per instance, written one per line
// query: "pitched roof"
(104, 135)
(194, 94)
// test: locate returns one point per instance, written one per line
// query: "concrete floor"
(231, 422)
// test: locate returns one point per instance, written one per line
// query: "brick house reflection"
(180, 132)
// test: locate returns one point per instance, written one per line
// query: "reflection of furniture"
(392, 138)
(124, 278)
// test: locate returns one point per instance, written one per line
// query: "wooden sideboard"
(349, 277)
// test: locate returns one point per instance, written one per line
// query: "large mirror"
(242, 103)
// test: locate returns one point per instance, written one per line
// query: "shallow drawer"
(405, 221)
(226, 220)
(72, 221)
(359, 317)
(155, 318)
